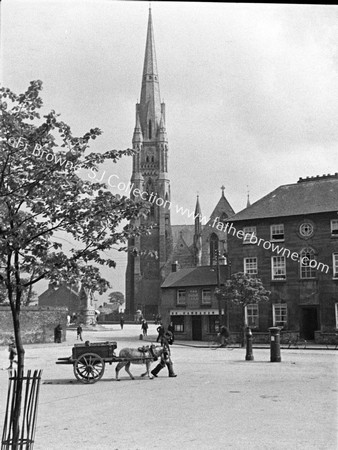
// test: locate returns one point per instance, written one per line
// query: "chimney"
(174, 266)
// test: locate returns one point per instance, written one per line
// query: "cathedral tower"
(150, 175)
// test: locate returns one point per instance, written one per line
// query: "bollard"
(249, 355)
(141, 337)
(275, 344)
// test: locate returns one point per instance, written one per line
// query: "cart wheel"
(89, 368)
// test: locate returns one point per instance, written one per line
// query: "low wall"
(326, 337)
(37, 324)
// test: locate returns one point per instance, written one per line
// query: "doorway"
(309, 322)
(196, 324)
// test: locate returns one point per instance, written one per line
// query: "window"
(336, 311)
(213, 324)
(213, 248)
(334, 227)
(206, 296)
(277, 232)
(308, 263)
(280, 314)
(250, 266)
(178, 322)
(149, 129)
(306, 229)
(181, 295)
(278, 268)
(335, 265)
(251, 315)
(248, 232)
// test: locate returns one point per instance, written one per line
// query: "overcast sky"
(250, 89)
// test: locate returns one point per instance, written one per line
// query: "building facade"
(289, 239)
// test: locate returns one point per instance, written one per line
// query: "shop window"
(178, 322)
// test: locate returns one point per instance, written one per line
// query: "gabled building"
(188, 300)
(289, 239)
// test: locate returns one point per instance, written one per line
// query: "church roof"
(186, 232)
(308, 196)
(222, 210)
(195, 276)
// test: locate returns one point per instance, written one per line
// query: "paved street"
(217, 401)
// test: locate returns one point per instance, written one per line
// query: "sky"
(250, 89)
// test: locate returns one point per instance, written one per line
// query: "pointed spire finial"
(248, 197)
(223, 188)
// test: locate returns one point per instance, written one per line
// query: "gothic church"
(187, 245)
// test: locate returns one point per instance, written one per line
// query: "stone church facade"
(185, 246)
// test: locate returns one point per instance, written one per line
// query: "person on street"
(121, 322)
(224, 334)
(165, 357)
(171, 328)
(58, 334)
(12, 353)
(160, 331)
(144, 327)
(79, 333)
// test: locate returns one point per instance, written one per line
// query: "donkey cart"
(89, 359)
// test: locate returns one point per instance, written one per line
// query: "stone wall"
(37, 324)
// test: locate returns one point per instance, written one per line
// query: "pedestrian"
(224, 334)
(12, 352)
(160, 331)
(144, 327)
(58, 334)
(171, 328)
(79, 333)
(165, 357)
(121, 322)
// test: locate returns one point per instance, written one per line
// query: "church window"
(149, 129)
(213, 247)
(306, 229)
(152, 159)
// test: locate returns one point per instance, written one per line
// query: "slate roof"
(195, 276)
(308, 196)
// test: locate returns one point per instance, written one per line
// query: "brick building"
(289, 240)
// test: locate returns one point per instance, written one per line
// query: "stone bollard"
(249, 355)
(275, 344)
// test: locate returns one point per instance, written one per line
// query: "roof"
(195, 276)
(308, 196)
(183, 231)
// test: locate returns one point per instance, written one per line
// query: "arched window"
(149, 129)
(213, 247)
(308, 263)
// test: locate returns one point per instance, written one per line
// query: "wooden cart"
(89, 360)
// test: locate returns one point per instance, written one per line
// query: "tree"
(116, 297)
(41, 193)
(243, 289)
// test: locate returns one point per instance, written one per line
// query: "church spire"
(150, 102)
(198, 233)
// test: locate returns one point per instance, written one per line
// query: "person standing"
(121, 322)
(58, 334)
(79, 333)
(224, 334)
(144, 327)
(171, 329)
(160, 331)
(12, 352)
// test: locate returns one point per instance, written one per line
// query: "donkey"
(141, 355)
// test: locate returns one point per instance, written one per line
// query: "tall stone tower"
(150, 175)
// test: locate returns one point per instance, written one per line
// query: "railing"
(19, 434)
